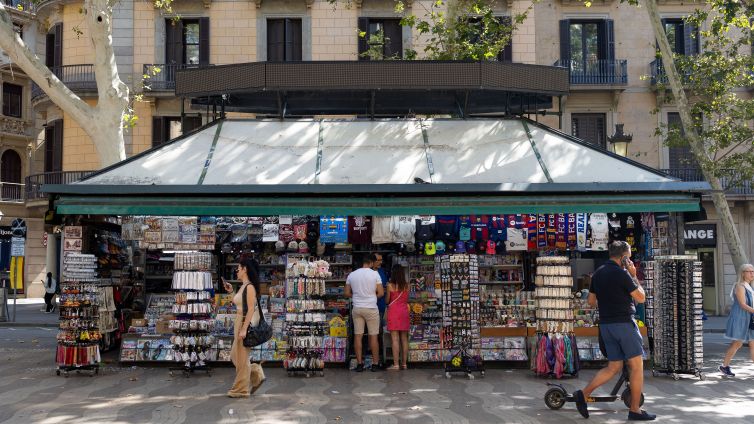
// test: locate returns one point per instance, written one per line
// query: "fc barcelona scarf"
(552, 229)
(571, 230)
(531, 225)
(560, 231)
(541, 230)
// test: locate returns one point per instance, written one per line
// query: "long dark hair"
(252, 271)
(398, 277)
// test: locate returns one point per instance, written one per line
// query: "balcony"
(33, 186)
(732, 185)
(596, 72)
(658, 76)
(78, 78)
(161, 77)
(11, 192)
(20, 5)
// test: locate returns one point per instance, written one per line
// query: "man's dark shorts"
(622, 340)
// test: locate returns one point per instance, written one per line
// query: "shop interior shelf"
(503, 331)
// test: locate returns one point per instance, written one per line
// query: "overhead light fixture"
(620, 141)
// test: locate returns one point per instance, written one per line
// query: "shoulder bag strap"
(396, 299)
(246, 307)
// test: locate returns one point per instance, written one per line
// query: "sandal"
(404, 366)
(393, 368)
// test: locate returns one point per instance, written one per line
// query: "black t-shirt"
(613, 286)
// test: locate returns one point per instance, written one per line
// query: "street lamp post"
(620, 141)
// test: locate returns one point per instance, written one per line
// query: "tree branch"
(22, 56)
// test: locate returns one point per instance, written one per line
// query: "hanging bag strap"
(395, 300)
(246, 307)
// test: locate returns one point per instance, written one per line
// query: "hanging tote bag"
(260, 333)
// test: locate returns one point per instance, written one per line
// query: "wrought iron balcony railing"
(161, 77)
(11, 192)
(596, 72)
(76, 77)
(732, 185)
(34, 182)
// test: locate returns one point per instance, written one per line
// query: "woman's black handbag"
(751, 322)
(256, 335)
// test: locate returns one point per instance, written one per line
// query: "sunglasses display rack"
(193, 309)
(676, 311)
(79, 333)
(306, 323)
(555, 350)
(458, 275)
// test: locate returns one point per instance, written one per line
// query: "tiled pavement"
(31, 393)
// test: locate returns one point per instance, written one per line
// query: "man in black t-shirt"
(614, 290)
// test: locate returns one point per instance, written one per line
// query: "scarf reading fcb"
(560, 231)
(541, 230)
(531, 225)
(552, 229)
(571, 230)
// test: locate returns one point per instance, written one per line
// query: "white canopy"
(440, 151)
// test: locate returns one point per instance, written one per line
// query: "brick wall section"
(334, 32)
(77, 49)
(143, 35)
(141, 134)
(233, 32)
(79, 153)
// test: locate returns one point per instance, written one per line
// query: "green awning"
(365, 205)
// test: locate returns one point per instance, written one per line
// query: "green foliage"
(453, 29)
(716, 81)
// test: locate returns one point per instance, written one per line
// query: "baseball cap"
(490, 247)
(293, 246)
(440, 247)
(430, 248)
(303, 247)
(279, 246)
(460, 247)
(471, 246)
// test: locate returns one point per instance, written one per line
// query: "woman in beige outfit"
(246, 374)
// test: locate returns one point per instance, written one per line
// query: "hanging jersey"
(479, 227)
(445, 227)
(496, 228)
(381, 232)
(359, 229)
(464, 228)
(425, 228)
(403, 229)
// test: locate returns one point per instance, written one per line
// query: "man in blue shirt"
(381, 305)
(614, 290)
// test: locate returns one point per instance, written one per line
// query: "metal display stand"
(675, 308)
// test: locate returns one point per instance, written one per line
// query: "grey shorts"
(622, 340)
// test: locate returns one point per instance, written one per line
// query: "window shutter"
(58, 45)
(506, 54)
(690, 39)
(275, 40)
(363, 27)
(609, 32)
(565, 42)
(58, 149)
(173, 42)
(158, 135)
(293, 50)
(393, 32)
(49, 148)
(203, 41)
(50, 50)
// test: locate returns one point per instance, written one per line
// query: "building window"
(589, 127)
(12, 99)
(284, 40)
(382, 39)
(54, 47)
(586, 45)
(166, 128)
(680, 157)
(683, 37)
(54, 146)
(10, 168)
(187, 42)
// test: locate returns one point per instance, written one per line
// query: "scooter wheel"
(626, 398)
(555, 398)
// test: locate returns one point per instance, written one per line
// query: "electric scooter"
(557, 395)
